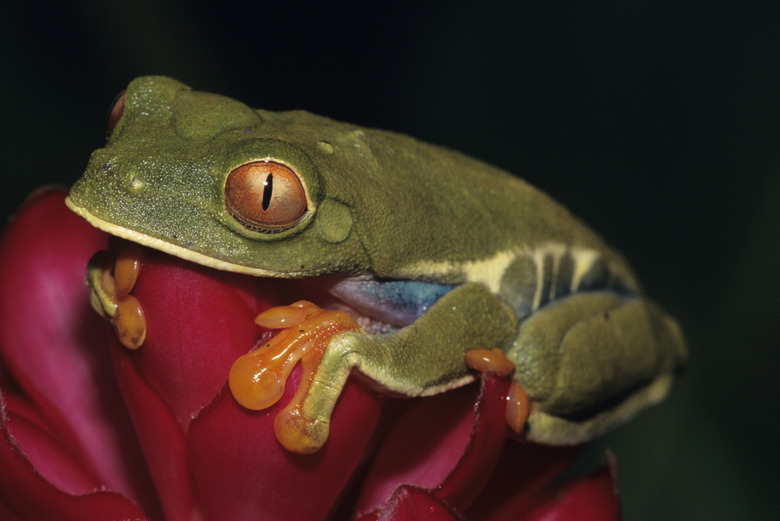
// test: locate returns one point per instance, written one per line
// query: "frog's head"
(207, 179)
(271, 195)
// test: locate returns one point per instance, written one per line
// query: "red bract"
(91, 430)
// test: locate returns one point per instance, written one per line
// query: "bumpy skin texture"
(590, 350)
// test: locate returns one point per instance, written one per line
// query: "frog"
(430, 259)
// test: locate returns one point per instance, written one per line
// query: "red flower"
(92, 430)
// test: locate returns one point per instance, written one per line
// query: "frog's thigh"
(591, 361)
(423, 358)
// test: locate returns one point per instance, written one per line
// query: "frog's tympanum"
(425, 266)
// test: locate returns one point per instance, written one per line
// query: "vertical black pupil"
(268, 189)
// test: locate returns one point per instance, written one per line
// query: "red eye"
(265, 196)
(116, 111)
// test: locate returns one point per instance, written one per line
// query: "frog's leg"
(423, 358)
(591, 361)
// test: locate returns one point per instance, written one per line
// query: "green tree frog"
(425, 255)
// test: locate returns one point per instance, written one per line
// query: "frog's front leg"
(423, 358)
(591, 361)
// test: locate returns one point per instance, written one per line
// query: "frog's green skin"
(387, 206)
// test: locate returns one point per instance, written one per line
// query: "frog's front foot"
(111, 278)
(257, 379)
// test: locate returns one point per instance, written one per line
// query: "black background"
(656, 122)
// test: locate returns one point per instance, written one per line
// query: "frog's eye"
(265, 196)
(115, 112)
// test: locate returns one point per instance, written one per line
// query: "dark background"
(657, 122)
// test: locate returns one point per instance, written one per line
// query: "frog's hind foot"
(518, 406)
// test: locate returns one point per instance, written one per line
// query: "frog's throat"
(167, 247)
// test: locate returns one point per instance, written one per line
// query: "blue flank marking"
(411, 297)
(398, 302)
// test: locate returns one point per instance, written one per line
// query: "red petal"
(161, 438)
(423, 447)
(52, 343)
(242, 472)
(442, 444)
(590, 498)
(522, 471)
(199, 321)
(44, 451)
(26, 494)
(488, 434)
(409, 503)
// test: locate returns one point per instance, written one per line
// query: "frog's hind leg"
(591, 361)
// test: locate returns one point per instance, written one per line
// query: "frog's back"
(427, 212)
(477, 215)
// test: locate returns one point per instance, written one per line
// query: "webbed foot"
(518, 406)
(111, 279)
(257, 379)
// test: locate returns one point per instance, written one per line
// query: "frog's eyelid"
(115, 112)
